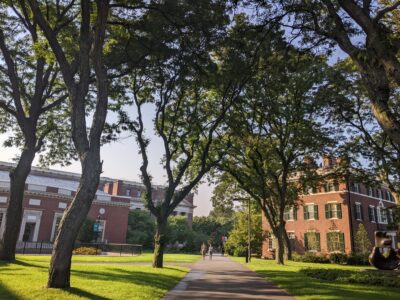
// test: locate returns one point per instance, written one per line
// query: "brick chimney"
(117, 188)
(108, 188)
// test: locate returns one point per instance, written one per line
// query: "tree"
(362, 243)
(281, 125)
(30, 110)
(86, 232)
(367, 31)
(77, 64)
(238, 237)
(191, 92)
(141, 228)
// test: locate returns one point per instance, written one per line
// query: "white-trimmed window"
(335, 241)
(127, 192)
(310, 211)
(333, 210)
(389, 196)
(56, 223)
(3, 199)
(382, 215)
(358, 212)
(380, 194)
(290, 214)
(372, 213)
(312, 241)
(370, 191)
(36, 187)
(34, 202)
(355, 187)
(2, 221)
(390, 215)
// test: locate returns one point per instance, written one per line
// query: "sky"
(122, 161)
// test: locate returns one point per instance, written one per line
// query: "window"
(382, 215)
(355, 187)
(2, 220)
(335, 241)
(390, 215)
(55, 226)
(371, 214)
(292, 239)
(312, 241)
(370, 191)
(290, 214)
(379, 194)
(358, 213)
(389, 196)
(138, 194)
(333, 211)
(128, 192)
(310, 212)
(183, 214)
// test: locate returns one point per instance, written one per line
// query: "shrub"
(338, 258)
(86, 251)
(358, 260)
(311, 258)
(359, 277)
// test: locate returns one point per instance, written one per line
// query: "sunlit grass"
(302, 287)
(26, 279)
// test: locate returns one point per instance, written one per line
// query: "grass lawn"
(303, 287)
(26, 278)
(145, 257)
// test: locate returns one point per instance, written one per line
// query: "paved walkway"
(223, 278)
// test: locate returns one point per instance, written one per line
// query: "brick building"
(133, 190)
(327, 217)
(49, 192)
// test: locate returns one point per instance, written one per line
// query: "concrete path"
(223, 278)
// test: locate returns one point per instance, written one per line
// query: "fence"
(101, 248)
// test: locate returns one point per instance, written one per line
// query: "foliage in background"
(362, 243)
(86, 233)
(141, 228)
(238, 237)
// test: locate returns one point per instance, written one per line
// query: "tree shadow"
(155, 279)
(5, 293)
(81, 293)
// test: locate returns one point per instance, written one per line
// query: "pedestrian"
(210, 251)
(203, 250)
(222, 249)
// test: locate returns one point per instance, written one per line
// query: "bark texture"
(15, 210)
(159, 244)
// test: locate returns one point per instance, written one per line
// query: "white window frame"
(53, 228)
(3, 221)
(290, 213)
(335, 203)
(359, 211)
(312, 212)
(27, 214)
(373, 212)
(370, 193)
(380, 210)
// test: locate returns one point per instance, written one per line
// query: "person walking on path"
(210, 251)
(203, 250)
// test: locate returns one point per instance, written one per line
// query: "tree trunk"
(15, 210)
(280, 252)
(289, 249)
(159, 243)
(73, 218)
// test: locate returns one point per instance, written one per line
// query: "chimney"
(117, 188)
(108, 187)
(328, 161)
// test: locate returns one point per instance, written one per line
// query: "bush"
(86, 251)
(358, 260)
(311, 258)
(338, 258)
(359, 277)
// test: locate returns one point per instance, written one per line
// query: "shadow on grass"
(81, 293)
(5, 293)
(155, 280)
(298, 284)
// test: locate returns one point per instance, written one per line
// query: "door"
(29, 232)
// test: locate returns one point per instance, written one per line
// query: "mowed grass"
(26, 279)
(303, 287)
(143, 258)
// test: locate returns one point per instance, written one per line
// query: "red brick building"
(48, 193)
(133, 190)
(327, 218)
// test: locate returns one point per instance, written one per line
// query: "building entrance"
(29, 232)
